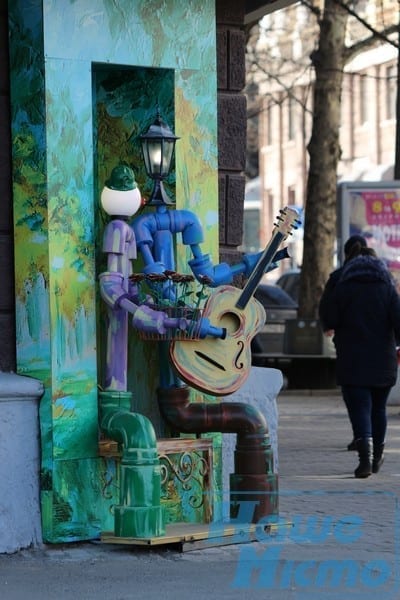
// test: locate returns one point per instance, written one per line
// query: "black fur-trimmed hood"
(365, 268)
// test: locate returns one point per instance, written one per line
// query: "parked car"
(278, 306)
(271, 348)
(289, 281)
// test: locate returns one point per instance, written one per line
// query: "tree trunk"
(324, 151)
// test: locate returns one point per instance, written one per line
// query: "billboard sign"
(372, 210)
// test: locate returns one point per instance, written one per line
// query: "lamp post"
(158, 144)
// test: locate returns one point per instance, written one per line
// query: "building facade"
(368, 113)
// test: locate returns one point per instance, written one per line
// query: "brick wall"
(7, 314)
(232, 120)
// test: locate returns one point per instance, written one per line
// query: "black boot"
(352, 445)
(364, 449)
(378, 458)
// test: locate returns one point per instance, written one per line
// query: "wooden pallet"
(195, 536)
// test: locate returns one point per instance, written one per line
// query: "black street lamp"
(158, 144)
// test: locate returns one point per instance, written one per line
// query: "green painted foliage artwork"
(77, 109)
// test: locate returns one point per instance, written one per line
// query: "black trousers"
(367, 411)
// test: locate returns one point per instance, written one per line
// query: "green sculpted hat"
(122, 179)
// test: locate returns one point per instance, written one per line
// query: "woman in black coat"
(354, 241)
(365, 316)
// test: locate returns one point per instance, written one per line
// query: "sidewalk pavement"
(343, 541)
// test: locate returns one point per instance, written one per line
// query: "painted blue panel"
(75, 426)
(132, 31)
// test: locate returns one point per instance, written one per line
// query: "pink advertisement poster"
(375, 214)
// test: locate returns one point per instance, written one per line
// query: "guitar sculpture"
(220, 366)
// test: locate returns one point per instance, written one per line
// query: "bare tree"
(329, 54)
(328, 60)
(324, 152)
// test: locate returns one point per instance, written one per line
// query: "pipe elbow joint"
(199, 417)
(218, 275)
(189, 224)
(254, 419)
(134, 432)
(242, 418)
(111, 288)
(154, 267)
(144, 228)
(250, 261)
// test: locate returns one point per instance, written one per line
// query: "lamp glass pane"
(168, 149)
(155, 156)
(146, 157)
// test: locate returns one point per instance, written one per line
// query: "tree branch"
(314, 9)
(382, 35)
(370, 41)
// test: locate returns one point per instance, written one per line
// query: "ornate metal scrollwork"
(186, 469)
(190, 469)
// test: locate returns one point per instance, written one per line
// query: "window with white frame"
(291, 118)
(391, 91)
(269, 124)
(363, 99)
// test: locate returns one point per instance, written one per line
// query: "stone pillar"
(19, 462)
(232, 125)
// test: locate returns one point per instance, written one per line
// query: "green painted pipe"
(139, 514)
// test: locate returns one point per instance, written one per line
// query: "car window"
(289, 282)
(272, 296)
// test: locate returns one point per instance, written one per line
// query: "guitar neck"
(266, 258)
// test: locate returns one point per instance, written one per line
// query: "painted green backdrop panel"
(29, 189)
(80, 504)
(197, 184)
(175, 34)
(126, 103)
(55, 199)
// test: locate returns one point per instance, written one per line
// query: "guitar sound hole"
(230, 321)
